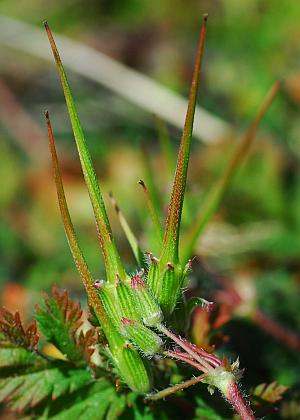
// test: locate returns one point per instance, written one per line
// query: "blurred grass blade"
(215, 196)
(133, 242)
(152, 211)
(171, 237)
(125, 82)
(166, 145)
(70, 232)
(150, 177)
(112, 259)
(26, 133)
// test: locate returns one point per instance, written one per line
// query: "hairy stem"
(175, 388)
(234, 396)
(206, 367)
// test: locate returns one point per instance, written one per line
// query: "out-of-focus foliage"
(257, 230)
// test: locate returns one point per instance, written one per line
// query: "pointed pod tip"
(114, 202)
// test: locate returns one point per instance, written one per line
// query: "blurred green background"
(256, 233)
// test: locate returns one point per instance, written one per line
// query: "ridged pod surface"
(145, 339)
(150, 311)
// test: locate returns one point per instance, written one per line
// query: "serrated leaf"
(10, 356)
(17, 344)
(59, 319)
(270, 393)
(86, 341)
(26, 388)
(13, 334)
(92, 403)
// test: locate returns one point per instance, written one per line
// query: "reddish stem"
(289, 338)
(184, 358)
(234, 396)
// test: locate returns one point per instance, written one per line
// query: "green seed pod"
(132, 368)
(145, 339)
(129, 364)
(165, 282)
(153, 280)
(149, 310)
(171, 284)
(127, 302)
(107, 295)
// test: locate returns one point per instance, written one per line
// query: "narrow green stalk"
(111, 256)
(149, 176)
(215, 196)
(77, 254)
(152, 211)
(132, 239)
(171, 236)
(70, 232)
(127, 360)
(175, 388)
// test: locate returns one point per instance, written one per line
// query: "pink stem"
(185, 358)
(282, 334)
(234, 396)
(185, 345)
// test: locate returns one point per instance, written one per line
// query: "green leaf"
(17, 344)
(13, 334)
(269, 393)
(24, 388)
(29, 382)
(205, 412)
(26, 377)
(111, 256)
(91, 403)
(116, 408)
(16, 357)
(59, 319)
(139, 413)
